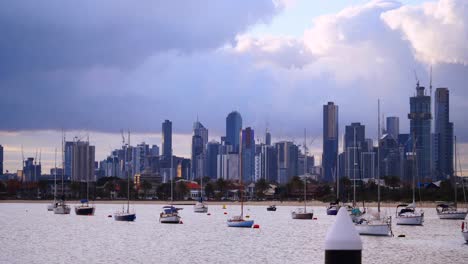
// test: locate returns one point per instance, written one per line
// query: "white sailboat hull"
(374, 229)
(453, 215)
(410, 220)
(200, 208)
(174, 219)
(62, 210)
(51, 207)
(465, 236)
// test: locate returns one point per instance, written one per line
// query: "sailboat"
(62, 207)
(170, 214)
(238, 220)
(355, 211)
(407, 214)
(334, 207)
(448, 210)
(375, 224)
(85, 208)
(302, 213)
(200, 206)
(126, 215)
(53, 205)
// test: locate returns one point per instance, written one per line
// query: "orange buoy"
(208, 214)
(315, 218)
(109, 216)
(225, 212)
(463, 226)
(256, 226)
(181, 222)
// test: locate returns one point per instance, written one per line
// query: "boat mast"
(172, 176)
(378, 157)
(87, 170)
(414, 166)
(337, 175)
(305, 171)
(354, 169)
(128, 175)
(63, 162)
(241, 174)
(455, 175)
(55, 176)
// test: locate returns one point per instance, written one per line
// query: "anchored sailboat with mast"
(302, 213)
(451, 211)
(62, 207)
(200, 206)
(52, 206)
(375, 225)
(85, 208)
(126, 215)
(407, 214)
(238, 220)
(170, 214)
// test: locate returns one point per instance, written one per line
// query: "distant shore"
(250, 203)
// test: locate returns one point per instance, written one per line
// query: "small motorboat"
(239, 221)
(52, 206)
(271, 208)
(200, 207)
(169, 215)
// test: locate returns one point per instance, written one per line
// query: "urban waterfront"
(31, 234)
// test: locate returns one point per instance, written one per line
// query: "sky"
(96, 67)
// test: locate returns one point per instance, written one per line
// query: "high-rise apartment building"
(330, 140)
(233, 129)
(443, 135)
(420, 130)
(167, 139)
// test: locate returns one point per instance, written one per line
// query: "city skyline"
(277, 67)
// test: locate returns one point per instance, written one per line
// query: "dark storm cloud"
(54, 34)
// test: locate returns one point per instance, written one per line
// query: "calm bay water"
(31, 234)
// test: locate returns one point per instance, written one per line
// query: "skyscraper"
(267, 138)
(199, 141)
(393, 126)
(233, 128)
(1, 160)
(443, 135)
(330, 140)
(82, 168)
(420, 129)
(248, 155)
(167, 139)
(212, 151)
(355, 143)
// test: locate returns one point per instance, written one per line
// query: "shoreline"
(248, 203)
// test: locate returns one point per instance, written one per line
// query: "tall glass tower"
(233, 129)
(443, 143)
(420, 130)
(167, 139)
(330, 140)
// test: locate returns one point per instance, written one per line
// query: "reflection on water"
(31, 234)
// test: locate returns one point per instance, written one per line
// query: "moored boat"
(169, 215)
(465, 231)
(302, 213)
(62, 208)
(333, 208)
(448, 211)
(239, 221)
(84, 208)
(409, 215)
(126, 215)
(271, 208)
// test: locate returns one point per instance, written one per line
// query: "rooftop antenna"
(123, 137)
(417, 79)
(40, 156)
(430, 80)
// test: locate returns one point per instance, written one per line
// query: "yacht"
(407, 214)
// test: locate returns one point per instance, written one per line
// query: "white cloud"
(437, 31)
